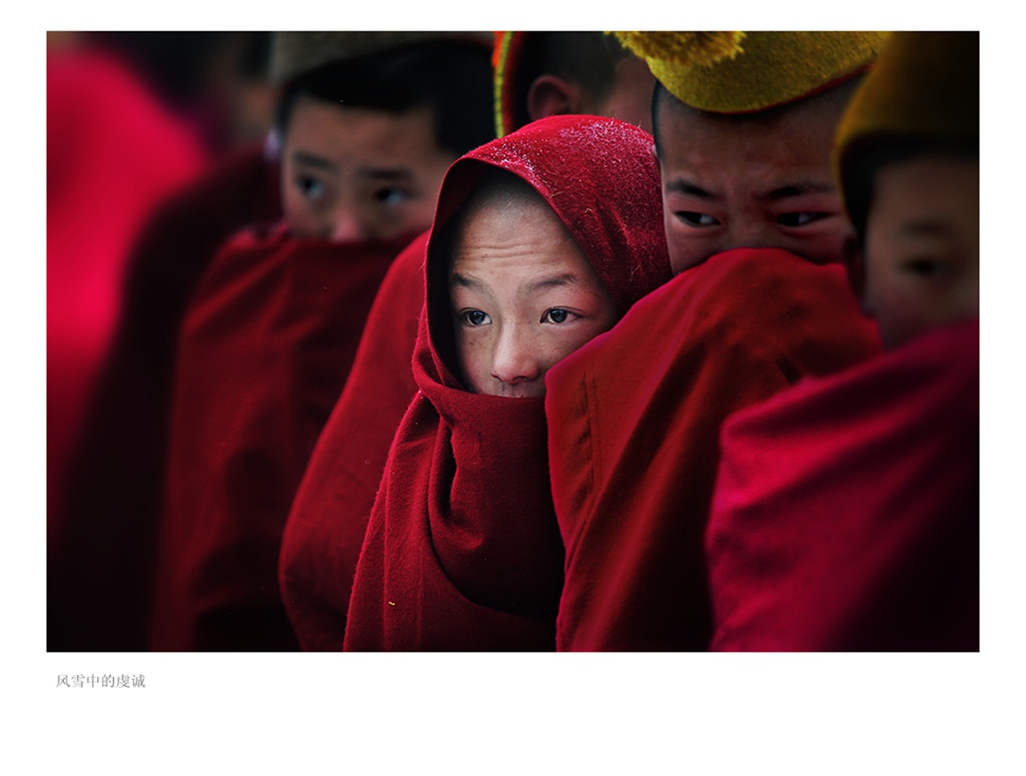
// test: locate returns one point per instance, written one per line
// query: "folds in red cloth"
(846, 514)
(634, 419)
(329, 515)
(463, 551)
(265, 349)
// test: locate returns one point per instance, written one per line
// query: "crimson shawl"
(265, 349)
(462, 551)
(846, 514)
(329, 515)
(634, 419)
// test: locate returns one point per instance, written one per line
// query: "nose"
(515, 359)
(347, 226)
(752, 233)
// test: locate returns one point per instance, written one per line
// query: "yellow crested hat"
(924, 85)
(744, 72)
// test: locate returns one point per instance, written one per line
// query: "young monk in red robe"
(537, 74)
(542, 240)
(754, 228)
(273, 326)
(846, 515)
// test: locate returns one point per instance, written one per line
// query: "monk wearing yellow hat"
(743, 126)
(847, 510)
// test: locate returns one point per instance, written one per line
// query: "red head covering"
(463, 551)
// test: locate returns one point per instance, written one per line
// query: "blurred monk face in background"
(756, 181)
(357, 174)
(922, 250)
(523, 297)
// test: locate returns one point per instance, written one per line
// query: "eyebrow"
(800, 189)
(555, 281)
(797, 189)
(462, 280)
(312, 160)
(924, 227)
(680, 186)
(385, 173)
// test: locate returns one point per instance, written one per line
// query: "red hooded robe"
(846, 514)
(463, 551)
(634, 420)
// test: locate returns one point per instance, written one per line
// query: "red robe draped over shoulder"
(846, 514)
(634, 419)
(325, 529)
(462, 551)
(265, 349)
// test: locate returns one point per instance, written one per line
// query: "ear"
(550, 95)
(855, 264)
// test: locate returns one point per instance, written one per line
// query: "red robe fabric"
(325, 529)
(113, 152)
(100, 579)
(634, 419)
(846, 514)
(462, 551)
(265, 349)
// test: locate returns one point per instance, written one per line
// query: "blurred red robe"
(846, 514)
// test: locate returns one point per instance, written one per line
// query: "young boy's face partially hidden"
(922, 251)
(523, 297)
(751, 182)
(356, 174)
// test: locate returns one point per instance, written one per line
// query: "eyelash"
(811, 218)
(548, 316)
(385, 195)
(693, 218)
(305, 184)
(465, 318)
(928, 269)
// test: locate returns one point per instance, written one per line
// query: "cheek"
(686, 248)
(473, 351)
(301, 216)
(902, 309)
(827, 245)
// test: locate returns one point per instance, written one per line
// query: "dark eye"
(691, 218)
(475, 318)
(310, 187)
(925, 268)
(391, 196)
(799, 219)
(557, 315)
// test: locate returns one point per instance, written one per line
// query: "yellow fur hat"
(924, 85)
(295, 53)
(743, 72)
(923, 90)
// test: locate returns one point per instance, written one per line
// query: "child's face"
(355, 174)
(756, 183)
(922, 261)
(523, 297)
